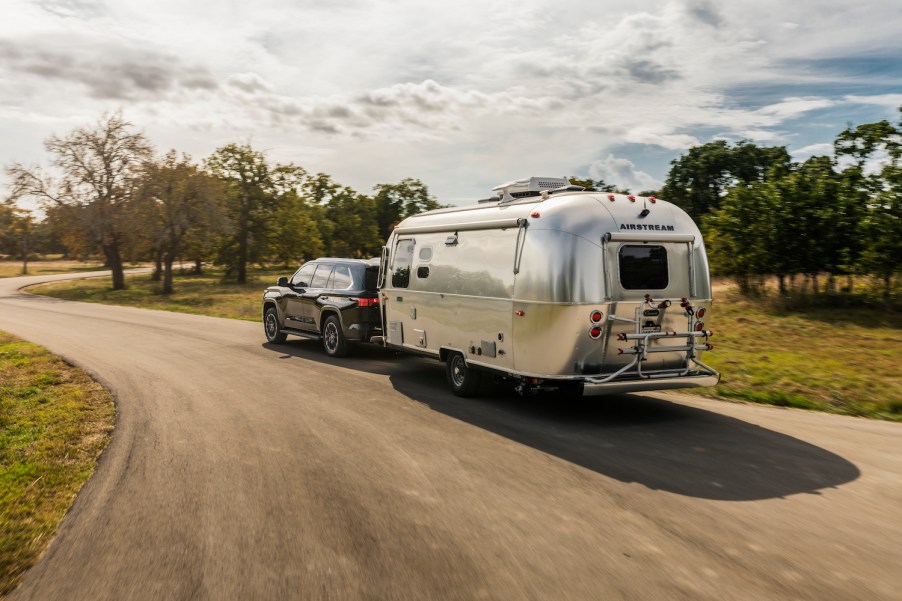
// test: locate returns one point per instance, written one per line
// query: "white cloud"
(623, 173)
(812, 150)
(463, 95)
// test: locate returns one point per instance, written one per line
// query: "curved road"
(241, 470)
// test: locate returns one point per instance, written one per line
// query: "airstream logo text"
(646, 227)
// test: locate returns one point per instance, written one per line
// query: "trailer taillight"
(596, 316)
(652, 199)
(595, 333)
(611, 197)
(700, 312)
(699, 326)
(632, 198)
(367, 302)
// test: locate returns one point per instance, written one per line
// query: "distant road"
(242, 470)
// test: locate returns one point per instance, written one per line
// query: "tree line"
(109, 194)
(762, 214)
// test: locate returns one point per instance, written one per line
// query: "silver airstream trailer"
(553, 287)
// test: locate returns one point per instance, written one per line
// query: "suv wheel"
(274, 333)
(464, 381)
(334, 340)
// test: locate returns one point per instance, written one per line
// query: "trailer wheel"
(464, 381)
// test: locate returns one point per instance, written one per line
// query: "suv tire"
(334, 341)
(271, 327)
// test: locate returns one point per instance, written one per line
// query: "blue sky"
(462, 95)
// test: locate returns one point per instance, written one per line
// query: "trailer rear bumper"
(660, 383)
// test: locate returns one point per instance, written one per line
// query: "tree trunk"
(815, 285)
(887, 284)
(782, 280)
(25, 254)
(242, 246)
(198, 266)
(167, 274)
(158, 267)
(114, 262)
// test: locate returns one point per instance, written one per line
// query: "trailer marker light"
(632, 198)
(611, 197)
(652, 199)
(596, 316)
(595, 333)
(699, 326)
(534, 214)
(700, 312)
(520, 313)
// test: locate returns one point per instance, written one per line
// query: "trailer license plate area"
(650, 329)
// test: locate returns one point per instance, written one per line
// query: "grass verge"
(839, 360)
(54, 423)
(204, 294)
(11, 269)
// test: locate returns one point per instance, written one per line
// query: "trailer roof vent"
(532, 186)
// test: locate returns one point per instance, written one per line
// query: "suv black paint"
(334, 300)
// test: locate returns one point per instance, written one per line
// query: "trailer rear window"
(643, 267)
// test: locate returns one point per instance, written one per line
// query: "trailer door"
(397, 279)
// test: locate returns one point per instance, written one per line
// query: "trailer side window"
(643, 267)
(400, 275)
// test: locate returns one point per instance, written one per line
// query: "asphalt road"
(243, 470)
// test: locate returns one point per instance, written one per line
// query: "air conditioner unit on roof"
(531, 186)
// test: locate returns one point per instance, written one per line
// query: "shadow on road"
(659, 444)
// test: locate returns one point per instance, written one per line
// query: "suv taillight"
(367, 302)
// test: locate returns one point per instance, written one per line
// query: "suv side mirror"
(283, 281)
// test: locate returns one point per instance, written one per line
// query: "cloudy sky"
(463, 95)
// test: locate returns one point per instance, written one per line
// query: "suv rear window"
(643, 267)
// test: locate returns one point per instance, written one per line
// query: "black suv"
(335, 300)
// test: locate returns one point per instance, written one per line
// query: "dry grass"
(205, 294)
(54, 423)
(11, 269)
(840, 360)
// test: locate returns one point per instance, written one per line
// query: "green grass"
(840, 360)
(205, 294)
(54, 422)
(11, 269)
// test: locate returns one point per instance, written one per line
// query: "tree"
(599, 185)
(99, 170)
(698, 180)
(739, 233)
(349, 226)
(16, 226)
(878, 145)
(295, 235)
(250, 204)
(180, 197)
(395, 202)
